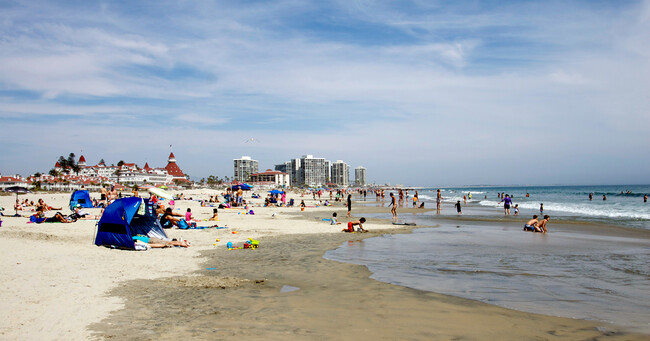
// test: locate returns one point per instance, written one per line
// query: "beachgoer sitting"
(79, 214)
(167, 220)
(333, 220)
(531, 225)
(302, 203)
(421, 205)
(215, 215)
(352, 224)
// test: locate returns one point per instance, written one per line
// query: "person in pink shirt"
(188, 216)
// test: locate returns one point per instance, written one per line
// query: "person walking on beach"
(392, 204)
(506, 204)
(458, 209)
(349, 204)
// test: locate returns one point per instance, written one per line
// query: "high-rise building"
(360, 176)
(341, 173)
(244, 167)
(313, 171)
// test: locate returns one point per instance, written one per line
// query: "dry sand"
(58, 285)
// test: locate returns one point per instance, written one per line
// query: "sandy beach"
(59, 285)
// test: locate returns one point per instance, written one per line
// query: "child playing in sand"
(215, 215)
(352, 224)
(188, 215)
(333, 221)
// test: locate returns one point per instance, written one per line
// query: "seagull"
(252, 139)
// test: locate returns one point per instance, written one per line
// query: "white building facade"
(244, 167)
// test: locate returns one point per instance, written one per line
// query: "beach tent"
(125, 218)
(82, 198)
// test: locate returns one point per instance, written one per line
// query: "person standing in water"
(393, 206)
(438, 202)
(506, 204)
(458, 209)
(645, 198)
(349, 204)
(541, 208)
(591, 196)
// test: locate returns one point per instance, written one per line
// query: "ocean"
(567, 272)
(570, 203)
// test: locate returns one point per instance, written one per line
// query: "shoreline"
(244, 298)
(59, 284)
(333, 300)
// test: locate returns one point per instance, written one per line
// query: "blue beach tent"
(82, 198)
(125, 218)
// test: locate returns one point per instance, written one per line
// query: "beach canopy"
(160, 193)
(81, 197)
(244, 187)
(125, 218)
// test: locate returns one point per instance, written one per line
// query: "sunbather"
(160, 243)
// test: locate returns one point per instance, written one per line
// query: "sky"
(420, 93)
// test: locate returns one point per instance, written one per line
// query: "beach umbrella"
(161, 193)
(145, 187)
(17, 190)
(275, 191)
(163, 187)
(244, 187)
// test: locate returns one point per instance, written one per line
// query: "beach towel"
(36, 220)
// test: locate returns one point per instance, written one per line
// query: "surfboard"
(407, 224)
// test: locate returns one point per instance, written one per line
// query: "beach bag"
(182, 224)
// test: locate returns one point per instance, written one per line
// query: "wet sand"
(243, 298)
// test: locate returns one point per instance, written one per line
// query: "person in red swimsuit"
(352, 224)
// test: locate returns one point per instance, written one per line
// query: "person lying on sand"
(352, 224)
(46, 207)
(58, 217)
(159, 243)
(79, 214)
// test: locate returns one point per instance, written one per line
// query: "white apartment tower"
(244, 167)
(312, 171)
(341, 173)
(360, 176)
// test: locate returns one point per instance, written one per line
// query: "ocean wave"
(604, 211)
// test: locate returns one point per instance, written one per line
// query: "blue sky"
(427, 93)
